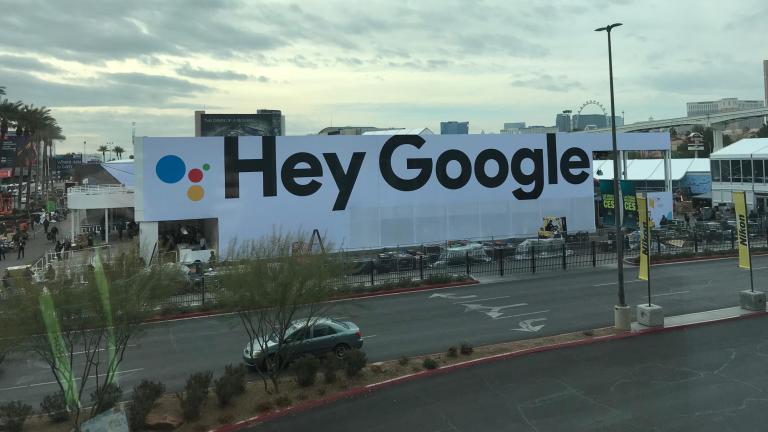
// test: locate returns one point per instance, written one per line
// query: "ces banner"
(645, 237)
(742, 228)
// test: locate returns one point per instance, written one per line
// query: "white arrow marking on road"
(492, 311)
(452, 296)
(527, 325)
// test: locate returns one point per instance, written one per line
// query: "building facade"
(741, 166)
(454, 128)
(263, 123)
(727, 105)
(512, 128)
(563, 121)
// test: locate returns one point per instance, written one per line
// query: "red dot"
(195, 175)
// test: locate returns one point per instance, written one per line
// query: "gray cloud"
(262, 79)
(226, 75)
(559, 83)
(29, 64)
(116, 89)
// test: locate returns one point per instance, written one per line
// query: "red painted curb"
(470, 363)
(347, 297)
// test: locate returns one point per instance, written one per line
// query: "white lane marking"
(366, 337)
(100, 349)
(485, 299)
(452, 296)
(671, 293)
(492, 311)
(616, 283)
(527, 325)
(524, 314)
(76, 379)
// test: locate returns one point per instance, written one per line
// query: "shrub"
(466, 349)
(144, 397)
(453, 352)
(264, 406)
(55, 406)
(321, 391)
(403, 361)
(302, 396)
(354, 362)
(106, 397)
(331, 365)
(13, 415)
(229, 385)
(195, 395)
(283, 401)
(429, 363)
(305, 370)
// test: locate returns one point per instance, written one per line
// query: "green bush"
(55, 407)
(331, 365)
(305, 370)
(429, 363)
(106, 397)
(264, 406)
(354, 361)
(453, 352)
(229, 385)
(404, 360)
(283, 401)
(144, 397)
(195, 395)
(466, 349)
(13, 415)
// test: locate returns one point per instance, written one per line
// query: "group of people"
(185, 234)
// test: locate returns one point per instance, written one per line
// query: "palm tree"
(118, 151)
(103, 149)
(9, 113)
(32, 121)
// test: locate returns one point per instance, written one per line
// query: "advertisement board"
(608, 207)
(266, 124)
(372, 191)
(742, 228)
(645, 237)
(659, 206)
(8, 152)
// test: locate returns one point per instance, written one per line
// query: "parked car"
(458, 255)
(318, 337)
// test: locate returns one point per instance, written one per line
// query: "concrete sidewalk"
(37, 246)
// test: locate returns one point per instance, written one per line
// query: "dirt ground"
(256, 400)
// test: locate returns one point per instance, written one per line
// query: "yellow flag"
(645, 237)
(740, 202)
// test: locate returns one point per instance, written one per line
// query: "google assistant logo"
(171, 169)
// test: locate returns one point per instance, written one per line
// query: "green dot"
(206, 167)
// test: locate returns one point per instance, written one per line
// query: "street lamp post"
(622, 312)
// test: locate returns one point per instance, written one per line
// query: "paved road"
(710, 378)
(423, 322)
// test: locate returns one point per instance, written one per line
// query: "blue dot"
(170, 169)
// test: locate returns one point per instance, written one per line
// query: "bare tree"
(91, 312)
(277, 296)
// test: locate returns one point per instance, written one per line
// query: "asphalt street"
(709, 378)
(421, 322)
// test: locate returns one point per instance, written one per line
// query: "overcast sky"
(101, 65)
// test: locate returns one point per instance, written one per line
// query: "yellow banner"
(740, 202)
(645, 237)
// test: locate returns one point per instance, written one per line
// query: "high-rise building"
(590, 121)
(727, 105)
(765, 86)
(263, 123)
(454, 128)
(512, 128)
(563, 121)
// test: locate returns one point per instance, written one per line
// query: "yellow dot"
(195, 193)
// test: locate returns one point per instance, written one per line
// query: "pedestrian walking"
(22, 244)
(2, 251)
(54, 233)
(46, 223)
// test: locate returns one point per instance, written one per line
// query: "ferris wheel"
(584, 105)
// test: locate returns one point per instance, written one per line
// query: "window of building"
(725, 171)
(746, 171)
(759, 173)
(736, 171)
(714, 168)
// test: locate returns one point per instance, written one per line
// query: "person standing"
(46, 223)
(54, 233)
(22, 244)
(2, 251)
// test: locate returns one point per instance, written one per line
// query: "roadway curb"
(381, 293)
(272, 415)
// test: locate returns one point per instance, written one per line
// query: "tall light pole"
(83, 158)
(622, 313)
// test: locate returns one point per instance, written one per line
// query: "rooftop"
(744, 149)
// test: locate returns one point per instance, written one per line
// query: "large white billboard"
(370, 191)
